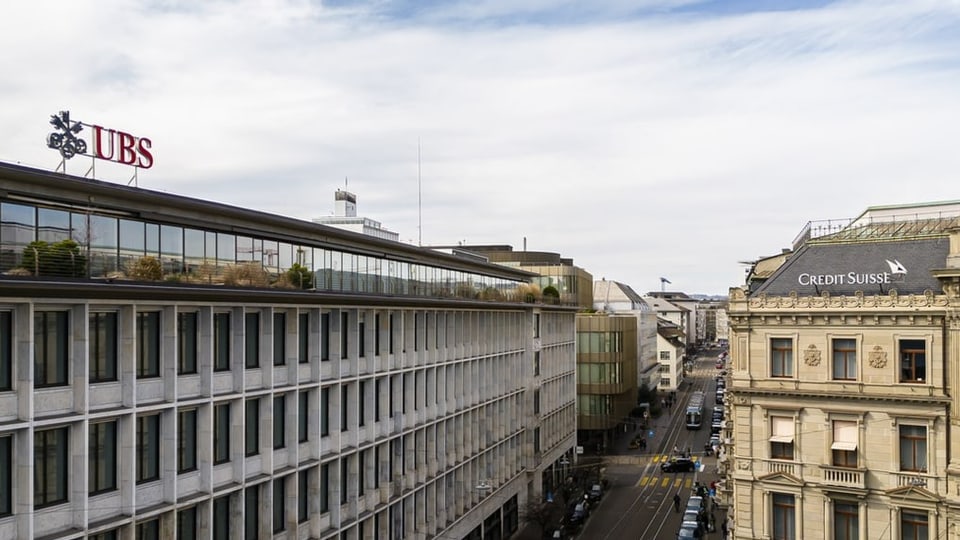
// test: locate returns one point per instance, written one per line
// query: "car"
(579, 514)
(688, 532)
(678, 464)
(595, 493)
(696, 502)
(692, 515)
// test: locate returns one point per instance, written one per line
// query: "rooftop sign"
(108, 144)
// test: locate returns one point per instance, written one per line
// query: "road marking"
(643, 481)
(665, 483)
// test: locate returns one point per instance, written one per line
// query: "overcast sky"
(641, 138)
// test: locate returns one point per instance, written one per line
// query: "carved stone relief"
(878, 357)
(811, 356)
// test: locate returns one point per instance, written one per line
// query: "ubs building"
(844, 376)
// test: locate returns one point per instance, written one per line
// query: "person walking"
(676, 502)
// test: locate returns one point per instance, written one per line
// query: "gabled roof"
(660, 304)
(781, 478)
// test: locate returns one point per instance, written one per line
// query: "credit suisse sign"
(108, 144)
(896, 274)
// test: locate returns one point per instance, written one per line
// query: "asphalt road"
(639, 500)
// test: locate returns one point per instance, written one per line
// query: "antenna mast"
(419, 200)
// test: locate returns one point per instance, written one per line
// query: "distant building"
(345, 217)
(844, 416)
(619, 299)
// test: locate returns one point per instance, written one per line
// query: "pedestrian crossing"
(673, 482)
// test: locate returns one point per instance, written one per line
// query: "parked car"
(595, 493)
(678, 464)
(688, 532)
(579, 514)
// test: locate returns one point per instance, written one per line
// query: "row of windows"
(911, 367)
(52, 346)
(912, 447)
(914, 524)
(109, 244)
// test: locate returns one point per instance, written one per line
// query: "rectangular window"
(913, 448)
(221, 341)
(187, 335)
(325, 488)
(845, 359)
(344, 479)
(148, 448)
(846, 521)
(362, 403)
(361, 335)
(913, 525)
(279, 421)
(913, 360)
(303, 338)
(781, 357)
(50, 345)
(187, 523)
(279, 504)
(303, 416)
(536, 363)
(102, 475)
(344, 407)
(148, 530)
(106, 535)
(344, 335)
(390, 320)
(303, 497)
(6, 351)
(148, 344)
(844, 445)
(6, 476)
(251, 513)
(251, 444)
(324, 336)
(536, 325)
(279, 339)
(221, 518)
(378, 387)
(103, 347)
(416, 331)
(187, 440)
(376, 335)
(50, 449)
(784, 519)
(221, 433)
(781, 440)
(324, 412)
(251, 340)
(536, 401)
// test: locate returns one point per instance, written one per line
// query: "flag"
(664, 280)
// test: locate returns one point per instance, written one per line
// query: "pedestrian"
(723, 530)
(676, 502)
(676, 451)
(713, 523)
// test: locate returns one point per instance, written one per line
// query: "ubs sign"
(108, 144)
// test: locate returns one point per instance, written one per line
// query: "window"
(846, 521)
(325, 488)
(221, 433)
(913, 525)
(362, 403)
(187, 343)
(148, 344)
(390, 321)
(303, 416)
(324, 412)
(221, 341)
(344, 407)
(103, 347)
(536, 401)
(279, 504)
(50, 449)
(303, 497)
(913, 448)
(279, 339)
(6, 351)
(103, 457)
(781, 440)
(844, 359)
(376, 335)
(913, 360)
(361, 335)
(251, 444)
(536, 325)
(279, 421)
(251, 340)
(148, 448)
(344, 479)
(221, 518)
(187, 440)
(303, 338)
(6, 476)
(324, 336)
(664, 355)
(148, 530)
(536, 363)
(844, 445)
(106, 535)
(784, 520)
(187, 523)
(781, 357)
(344, 336)
(50, 337)
(251, 513)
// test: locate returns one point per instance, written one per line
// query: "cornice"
(857, 301)
(741, 395)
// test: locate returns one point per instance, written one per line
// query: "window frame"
(846, 520)
(221, 433)
(279, 338)
(148, 351)
(188, 336)
(781, 357)
(303, 416)
(42, 498)
(303, 338)
(919, 445)
(280, 422)
(6, 475)
(107, 463)
(251, 340)
(844, 359)
(187, 441)
(251, 430)
(907, 351)
(279, 511)
(147, 428)
(187, 530)
(103, 355)
(783, 516)
(55, 343)
(221, 341)
(781, 442)
(917, 520)
(844, 452)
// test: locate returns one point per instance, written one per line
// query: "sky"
(643, 139)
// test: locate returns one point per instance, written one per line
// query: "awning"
(782, 438)
(843, 446)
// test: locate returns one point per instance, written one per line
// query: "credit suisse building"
(845, 416)
(178, 368)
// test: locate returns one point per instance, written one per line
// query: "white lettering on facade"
(850, 278)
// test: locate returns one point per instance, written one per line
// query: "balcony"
(786, 467)
(844, 477)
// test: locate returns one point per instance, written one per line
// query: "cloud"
(664, 138)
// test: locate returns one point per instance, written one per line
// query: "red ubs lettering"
(122, 147)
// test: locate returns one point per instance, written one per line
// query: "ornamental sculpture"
(878, 357)
(811, 356)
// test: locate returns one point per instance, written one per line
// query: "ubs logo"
(108, 144)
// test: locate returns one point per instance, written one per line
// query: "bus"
(695, 411)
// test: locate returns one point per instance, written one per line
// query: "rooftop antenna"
(419, 200)
(663, 284)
